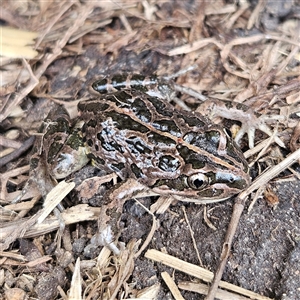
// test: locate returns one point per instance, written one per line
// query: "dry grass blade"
(75, 289)
(73, 215)
(54, 197)
(202, 289)
(124, 269)
(48, 59)
(4, 178)
(195, 46)
(271, 173)
(13, 155)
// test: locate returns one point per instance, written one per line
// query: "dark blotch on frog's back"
(192, 121)
(141, 110)
(138, 146)
(208, 140)
(168, 163)
(190, 157)
(92, 106)
(108, 144)
(162, 108)
(160, 140)
(138, 173)
(125, 122)
(167, 125)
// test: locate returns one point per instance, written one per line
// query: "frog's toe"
(250, 132)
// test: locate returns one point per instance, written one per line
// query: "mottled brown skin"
(149, 144)
(145, 138)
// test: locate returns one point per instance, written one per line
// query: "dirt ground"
(265, 255)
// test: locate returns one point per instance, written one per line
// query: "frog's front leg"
(58, 151)
(41, 175)
(249, 119)
(111, 211)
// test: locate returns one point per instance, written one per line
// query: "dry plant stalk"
(16, 43)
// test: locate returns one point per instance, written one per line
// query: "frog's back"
(136, 135)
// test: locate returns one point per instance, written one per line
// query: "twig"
(150, 234)
(15, 154)
(192, 235)
(235, 217)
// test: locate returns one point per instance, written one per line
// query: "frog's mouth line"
(213, 193)
(201, 201)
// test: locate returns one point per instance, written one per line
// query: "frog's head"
(210, 167)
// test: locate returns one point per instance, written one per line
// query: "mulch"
(247, 52)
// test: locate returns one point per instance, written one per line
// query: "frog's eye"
(198, 181)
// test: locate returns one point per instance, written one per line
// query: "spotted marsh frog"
(148, 143)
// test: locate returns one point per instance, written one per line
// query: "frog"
(130, 129)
